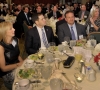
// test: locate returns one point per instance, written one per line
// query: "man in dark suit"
(25, 16)
(54, 13)
(83, 13)
(76, 9)
(70, 28)
(38, 36)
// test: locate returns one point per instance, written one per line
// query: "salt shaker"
(91, 75)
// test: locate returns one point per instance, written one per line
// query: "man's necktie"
(82, 15)
(27, 19)
(44, 39)
(73, 34)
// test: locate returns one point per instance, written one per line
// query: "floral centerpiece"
(97, 60)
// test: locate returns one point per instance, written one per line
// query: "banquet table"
(85, 84)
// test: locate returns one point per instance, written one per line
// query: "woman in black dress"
(9, 53)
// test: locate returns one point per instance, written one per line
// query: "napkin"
(96, 49)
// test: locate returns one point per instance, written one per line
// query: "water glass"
(72, 43)
(52, 46)
(67, 39)
(46, 72)
(93, 42)
(56, 84)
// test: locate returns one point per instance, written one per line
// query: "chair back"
(96, 36)
(25, 27)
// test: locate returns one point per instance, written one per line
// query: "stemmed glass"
(46, 72)
(67, 39)
(49, 58)
(36, 75)
(52, 46)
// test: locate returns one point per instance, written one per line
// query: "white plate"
(25, 65)
(30, 88)
(35, 57)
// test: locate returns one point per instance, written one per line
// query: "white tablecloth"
(85, 84)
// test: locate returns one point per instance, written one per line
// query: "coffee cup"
(29, 63)
(24, 84)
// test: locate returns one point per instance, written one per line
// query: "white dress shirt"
(40, 34)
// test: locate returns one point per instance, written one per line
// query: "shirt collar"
(71, 25)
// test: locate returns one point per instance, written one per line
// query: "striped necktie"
(72, 33)
(44, 39)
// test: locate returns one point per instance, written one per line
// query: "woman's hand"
(91, 20)
(20, 63)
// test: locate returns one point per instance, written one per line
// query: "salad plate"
(26, 73)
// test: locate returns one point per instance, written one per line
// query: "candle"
(79, 79)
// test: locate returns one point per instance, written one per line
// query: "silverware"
(64, 74)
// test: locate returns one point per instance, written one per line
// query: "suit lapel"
(47, 32)
(68, 31)
(37, 35)
(78, 31)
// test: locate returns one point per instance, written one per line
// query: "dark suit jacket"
(33, 43)
(85, 14)
(21, 18)
(57, 13)
(76, 11)
(59, 23)
(4, 13)
(64, 30)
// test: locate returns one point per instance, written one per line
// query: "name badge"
(91, 25)
(14, 43)
(80, 36)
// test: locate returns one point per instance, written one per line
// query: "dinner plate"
(26, 66)
(30, 88)
(33, 57)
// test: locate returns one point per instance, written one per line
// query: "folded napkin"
(96, 49)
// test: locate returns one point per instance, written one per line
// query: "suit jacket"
(21, 18)
(57, 13)
(33, 43)
(76, 11)
(85, 14)
(59, 23)
(64, 30)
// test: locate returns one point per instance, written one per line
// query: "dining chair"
(25, 27)
(96, 36)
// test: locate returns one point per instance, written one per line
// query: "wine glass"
(52, 46)
(49, 58)
(67, 39)
(37, 75)
(46, 72)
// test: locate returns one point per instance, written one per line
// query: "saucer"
(30, 88)
(26, 66)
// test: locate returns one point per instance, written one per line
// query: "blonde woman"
(94, 19)
(9, 53)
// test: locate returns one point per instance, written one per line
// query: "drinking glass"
(56, 84)
(49, 58)
(93, 42)
(78, 56)
(67, 39)
(52, 46)
(72, 43)
(46, 72)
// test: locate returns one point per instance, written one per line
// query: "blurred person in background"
(93, 21)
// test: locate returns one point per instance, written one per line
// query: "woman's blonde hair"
(4, 26)
(93, 9)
